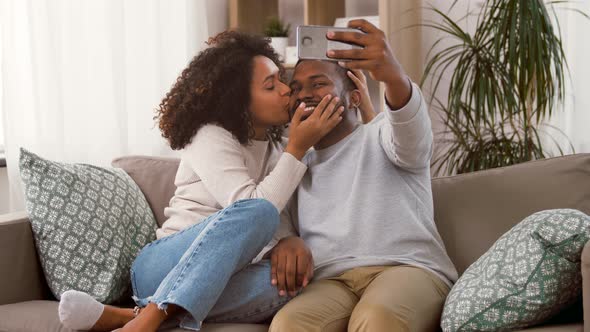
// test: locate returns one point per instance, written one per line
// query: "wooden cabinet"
(251, 15)
(323, 12)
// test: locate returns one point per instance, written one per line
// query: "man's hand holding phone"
(291, 265)
(375, 57)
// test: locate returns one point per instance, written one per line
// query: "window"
(1, 125)
(1, 110)
(1, 117)
(1, 120)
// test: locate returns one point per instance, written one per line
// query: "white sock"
(78, 310)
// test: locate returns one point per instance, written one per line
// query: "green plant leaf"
(506, 79)
(276, 28)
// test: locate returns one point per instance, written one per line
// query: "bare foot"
(112, 318)
(149, 318)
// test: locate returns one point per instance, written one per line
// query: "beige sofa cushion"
(31, 316)
(473, 210)
(155, 177)
(574, 327)
(22, 277)
(41, 316)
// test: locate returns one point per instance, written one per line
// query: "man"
(364, 208)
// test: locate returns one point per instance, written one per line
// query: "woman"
(226, 112)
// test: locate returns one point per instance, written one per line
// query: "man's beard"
(314, 103)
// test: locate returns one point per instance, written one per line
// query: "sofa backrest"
(471, 210)
(154, 176)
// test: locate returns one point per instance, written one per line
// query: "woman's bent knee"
(262, 213)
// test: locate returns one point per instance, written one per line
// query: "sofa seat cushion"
(574, 327)
(529, 275)
(31, 316)
(41, 316)
(224, 328)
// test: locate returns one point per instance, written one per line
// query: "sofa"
(471, 212)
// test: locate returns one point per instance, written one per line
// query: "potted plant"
(279, 35)
(506, 80)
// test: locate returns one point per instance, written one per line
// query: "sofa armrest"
(21, 277)
(586, 285)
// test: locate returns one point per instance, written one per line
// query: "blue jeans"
(206, 268)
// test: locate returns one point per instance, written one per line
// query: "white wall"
(3, 190)
(429, 37)
(217, 16)
(361, 7)
(291, 11)
(3, 171)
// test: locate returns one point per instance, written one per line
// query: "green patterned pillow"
(530, 274)
(89, 223)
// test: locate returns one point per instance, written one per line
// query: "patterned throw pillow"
(89, 224)
(530, 274)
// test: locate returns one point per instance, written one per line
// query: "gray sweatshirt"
(367, 200)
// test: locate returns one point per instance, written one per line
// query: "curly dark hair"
(215, 88)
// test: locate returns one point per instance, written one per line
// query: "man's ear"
(355, 98)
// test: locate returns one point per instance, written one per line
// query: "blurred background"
(80, 79)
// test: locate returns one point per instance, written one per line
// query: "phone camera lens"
(306, 41)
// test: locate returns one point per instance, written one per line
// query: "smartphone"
(312, 42)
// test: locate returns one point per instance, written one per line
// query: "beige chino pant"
(374, 298)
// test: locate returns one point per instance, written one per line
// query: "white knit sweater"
(216, 170)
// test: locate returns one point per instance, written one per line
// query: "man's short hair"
(347, 84)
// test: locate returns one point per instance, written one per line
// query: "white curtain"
(574, 119)
(81, 79)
